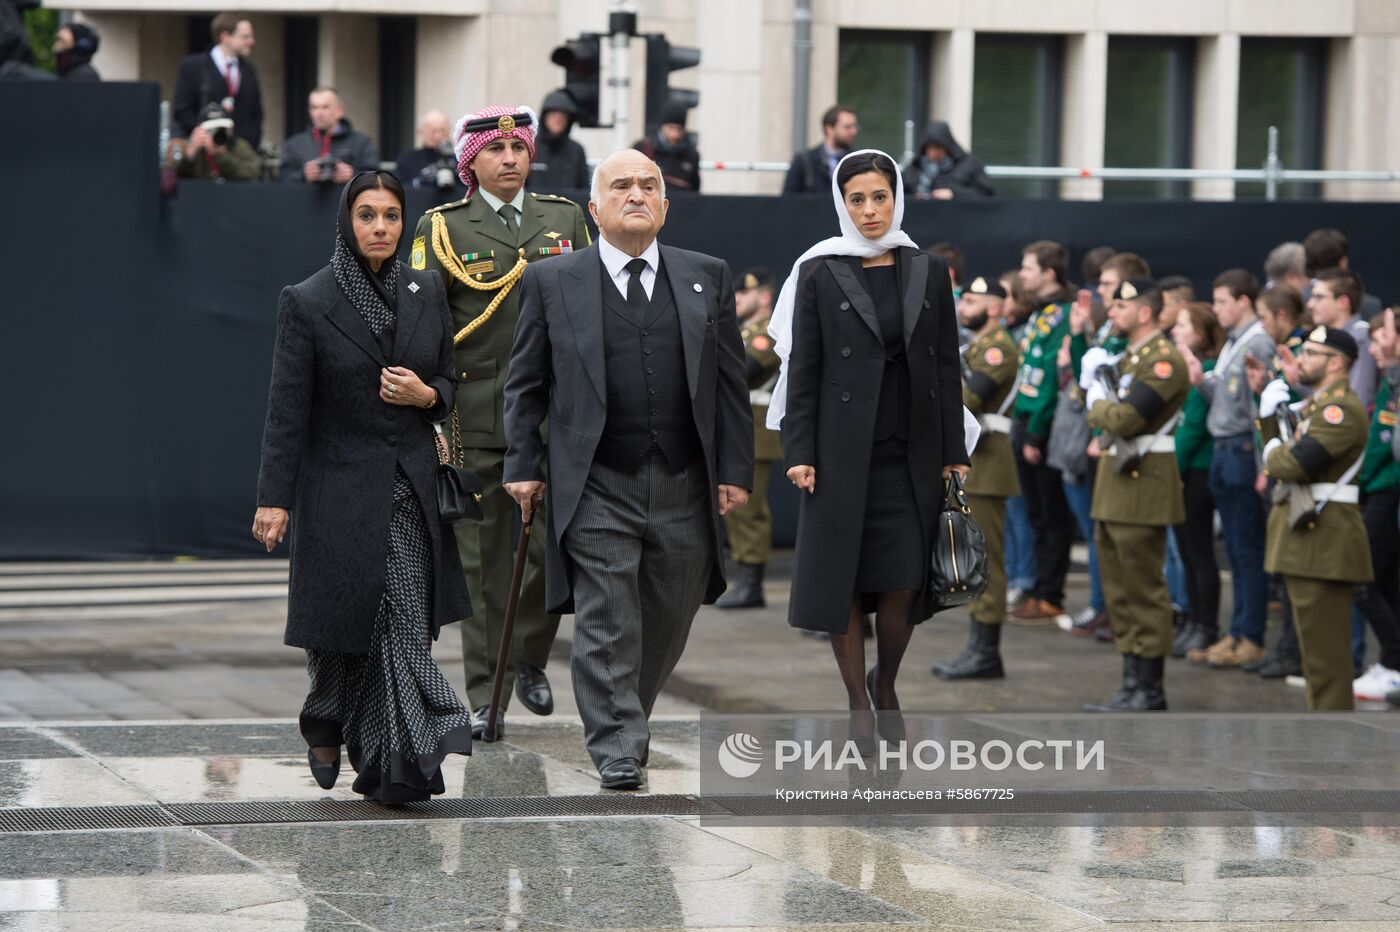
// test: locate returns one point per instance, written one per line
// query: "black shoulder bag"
(959, 569)
(458, 488)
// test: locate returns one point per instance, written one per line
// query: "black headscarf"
(374, 295)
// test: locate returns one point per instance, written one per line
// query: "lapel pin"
(697, 287)
(413, 287)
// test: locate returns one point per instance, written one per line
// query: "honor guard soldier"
(1317, 539)
(1135, 403)
(989, 381)
(750, 528)
(480, 246)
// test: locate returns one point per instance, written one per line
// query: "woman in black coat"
(363, 363)
(873, 409)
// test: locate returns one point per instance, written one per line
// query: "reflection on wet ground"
(635, 871)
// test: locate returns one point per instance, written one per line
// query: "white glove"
(1094, 357)
(1094, 394)
(1271, 446)
(1274, 395)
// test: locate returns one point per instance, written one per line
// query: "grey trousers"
(642, 545)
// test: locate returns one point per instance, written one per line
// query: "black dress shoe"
(625, 774)
(532, 689)
(1278, 666)
(324, 773)
(479, 724)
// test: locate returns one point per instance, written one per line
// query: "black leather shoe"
(479, 724)
(625, 774)
(1393, 698)
(1278, 666)
(747, 589)
(324, 773)
(532, 689)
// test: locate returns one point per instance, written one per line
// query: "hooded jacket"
(560, 162)
(16, 57)
(75, 64)
(960, 172)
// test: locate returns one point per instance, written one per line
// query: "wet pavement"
(375, 868)
(177, 717)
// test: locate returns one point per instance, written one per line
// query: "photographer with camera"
(330, 152)
(433, 164)
(214, 151)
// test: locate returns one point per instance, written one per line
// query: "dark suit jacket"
(557, 369)
(330, 451)
(809, 172)
(199, 83)
(834, 378)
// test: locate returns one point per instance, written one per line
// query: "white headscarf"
(851, 242)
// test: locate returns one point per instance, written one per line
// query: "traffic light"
(662, 59)
(582, 60)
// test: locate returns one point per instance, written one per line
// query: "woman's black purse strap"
(458, 488)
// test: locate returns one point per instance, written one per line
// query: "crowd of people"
(1309, 333)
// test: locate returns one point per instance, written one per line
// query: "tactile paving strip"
(1383, 802)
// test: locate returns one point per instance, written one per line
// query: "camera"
(219, 127)
(327, 165)
(441, 174)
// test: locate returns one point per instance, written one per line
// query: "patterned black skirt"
(392, 708)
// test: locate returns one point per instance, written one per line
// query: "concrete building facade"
(1336, 58)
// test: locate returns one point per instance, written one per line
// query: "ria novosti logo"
(740, 755)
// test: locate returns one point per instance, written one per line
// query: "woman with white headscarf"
(870, 404)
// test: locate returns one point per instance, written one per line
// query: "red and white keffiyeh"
(468, 144)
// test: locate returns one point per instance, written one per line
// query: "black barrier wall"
(139, 330)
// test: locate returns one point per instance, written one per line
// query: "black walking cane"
(517, 578)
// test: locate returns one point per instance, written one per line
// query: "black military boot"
(747, 591)
(1122, 700)
(980, 659)
(1151, 694)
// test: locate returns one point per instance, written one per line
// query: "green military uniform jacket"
(1152, 388)
(763, 364)
(1039, 388)
(992, 361)
(1334, 546)
(486, 252)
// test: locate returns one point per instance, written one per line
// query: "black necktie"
(637, 295)
(507, 213)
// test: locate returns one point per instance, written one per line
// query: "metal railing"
(1271, 174)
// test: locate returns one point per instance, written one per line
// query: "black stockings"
(892, 634)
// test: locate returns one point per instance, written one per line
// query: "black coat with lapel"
(199, 83)
(834, 377)
(558, 369)
(331, 448)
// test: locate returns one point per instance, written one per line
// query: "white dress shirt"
(615, 261)
(224, 63)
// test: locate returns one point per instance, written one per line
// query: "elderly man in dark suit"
(632, 350)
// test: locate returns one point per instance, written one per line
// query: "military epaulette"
(553, 197)
(450, 205)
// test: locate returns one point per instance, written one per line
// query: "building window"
(301, 42)
(1148, 112)
(398, 45)
(884, 78)
(1016, 106)
(1281, 84)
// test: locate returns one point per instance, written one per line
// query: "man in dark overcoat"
(632, 350)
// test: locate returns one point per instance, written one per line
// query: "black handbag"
(959, 566)
(458, 488)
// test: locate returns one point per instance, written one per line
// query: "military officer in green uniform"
(480, 246)
(1316, 537)
(1137, 488)
(989, 376)
(750, 529)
